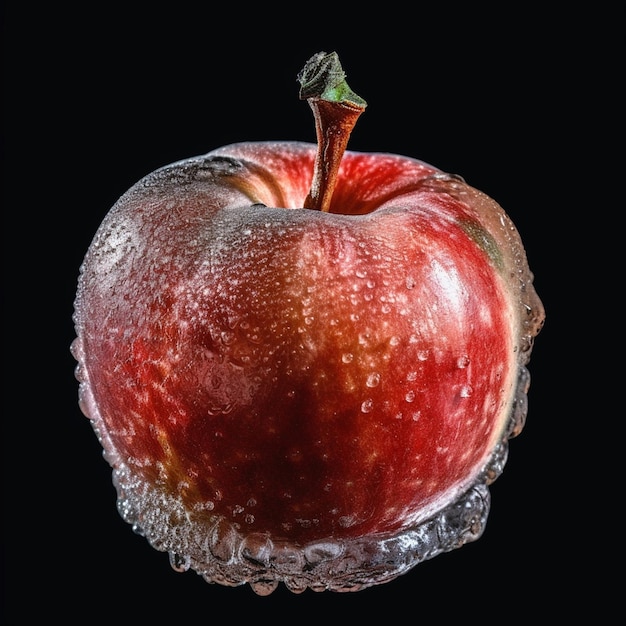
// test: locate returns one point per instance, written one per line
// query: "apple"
(304, 364)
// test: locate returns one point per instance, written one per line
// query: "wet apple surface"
(298, 395)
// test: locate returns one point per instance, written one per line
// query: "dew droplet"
(323, 551)
(410, 396)
(364, 338)
(263, 587)
(220, 409)
(463, 361)
(257, 548)
(180, 563)
(466, 391)
(373, 379)
(347, 357)
(227, 337)
(367, 405)
(346, 521)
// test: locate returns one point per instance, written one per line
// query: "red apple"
(304, 364)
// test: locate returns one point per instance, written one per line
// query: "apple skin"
(301, 377)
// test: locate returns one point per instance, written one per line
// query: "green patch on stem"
(323, 77)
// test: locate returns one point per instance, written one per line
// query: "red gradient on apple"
(301, 373)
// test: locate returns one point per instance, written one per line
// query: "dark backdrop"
(521, 103)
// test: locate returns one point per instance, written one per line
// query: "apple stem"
(336, 109)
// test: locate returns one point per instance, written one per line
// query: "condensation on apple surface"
(222, 555)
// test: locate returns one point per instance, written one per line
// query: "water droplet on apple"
(227, 337)
(223, 541)
(410, 396)
(347, 357)
(264, 587)
(296, 585)
(360, 273)
(221, 409)
(520, 404)
(208, 505)
(320, 552)
(257, 547)
(137, 529)
(346, 521)
(254, 336)
(180, 563)
(466, 391)
(463, 361)
(367, 406)
(373, 379)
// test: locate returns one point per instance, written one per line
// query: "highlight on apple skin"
(305, 364)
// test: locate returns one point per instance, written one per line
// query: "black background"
(522, 102)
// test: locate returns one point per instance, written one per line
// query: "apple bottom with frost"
(221, 554)
(215, 549)
(286, 385)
